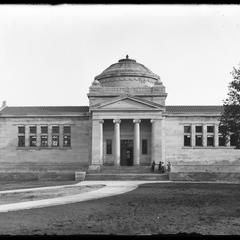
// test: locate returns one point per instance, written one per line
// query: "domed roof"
(127, 73)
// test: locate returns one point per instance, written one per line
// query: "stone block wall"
(13, 158)
(199, 158)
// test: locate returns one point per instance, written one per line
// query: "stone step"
(125, 169)
(126, 176)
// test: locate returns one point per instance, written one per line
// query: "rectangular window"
(187, 140)
(21, 141)
(233, 140)
(210, 141)
(221, 141)
(55, 141)
(55, 129)
(44, 141)
(109, 146)
(66, 129)
(67, 141)
(199, 129)
(44, 129)
(33, 129)
(21, 130)
(144, 146)
(187, 129)
(210, 129)
(33, 141)
(199, 141)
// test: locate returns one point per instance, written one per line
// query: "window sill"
(44, 148)
(208, 147)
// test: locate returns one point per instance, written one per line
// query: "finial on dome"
(127, 56)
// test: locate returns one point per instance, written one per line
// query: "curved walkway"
(111, 188)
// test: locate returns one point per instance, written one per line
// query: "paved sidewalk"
(111, 188)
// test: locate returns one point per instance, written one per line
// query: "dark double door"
(126, 152)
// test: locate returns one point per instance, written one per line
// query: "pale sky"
(49, 55)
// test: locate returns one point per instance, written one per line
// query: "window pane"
(233, 140)
(66, 129)
(67, 141)
(198, 140)
(55, 141)
(21, 141)
(33, 129)
(33, 141)
(44, 129)
(44, 141)
(210, 141)
(221, 141)
(55, 129)
(187, 129)
(198, 129)
(187, 140)
(210, 129)
(109, 146)
(144, 146)
(21, 130)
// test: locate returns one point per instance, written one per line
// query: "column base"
(94, 168)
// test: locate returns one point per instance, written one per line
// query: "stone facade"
(126, 123)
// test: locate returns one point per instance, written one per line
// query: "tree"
(230, 117)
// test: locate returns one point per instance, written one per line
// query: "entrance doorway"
(126, 152)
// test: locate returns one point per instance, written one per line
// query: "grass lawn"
(9, 185)
(166, 208)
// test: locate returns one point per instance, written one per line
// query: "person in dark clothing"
(160, 167)
(153, 166)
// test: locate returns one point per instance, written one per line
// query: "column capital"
(136, 120)
(117, 120)
(101, 121)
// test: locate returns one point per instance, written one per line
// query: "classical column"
(117, 141)
(216, 135)
(97, 144)
(204, 135)
(101, 140)
(157, 143)
(136, 154)
(193, 135)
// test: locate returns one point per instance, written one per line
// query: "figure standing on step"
(153, 166)
(169, 166)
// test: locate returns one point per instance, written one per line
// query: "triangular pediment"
(127, 103)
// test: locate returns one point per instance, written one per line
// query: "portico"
(127, 137)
